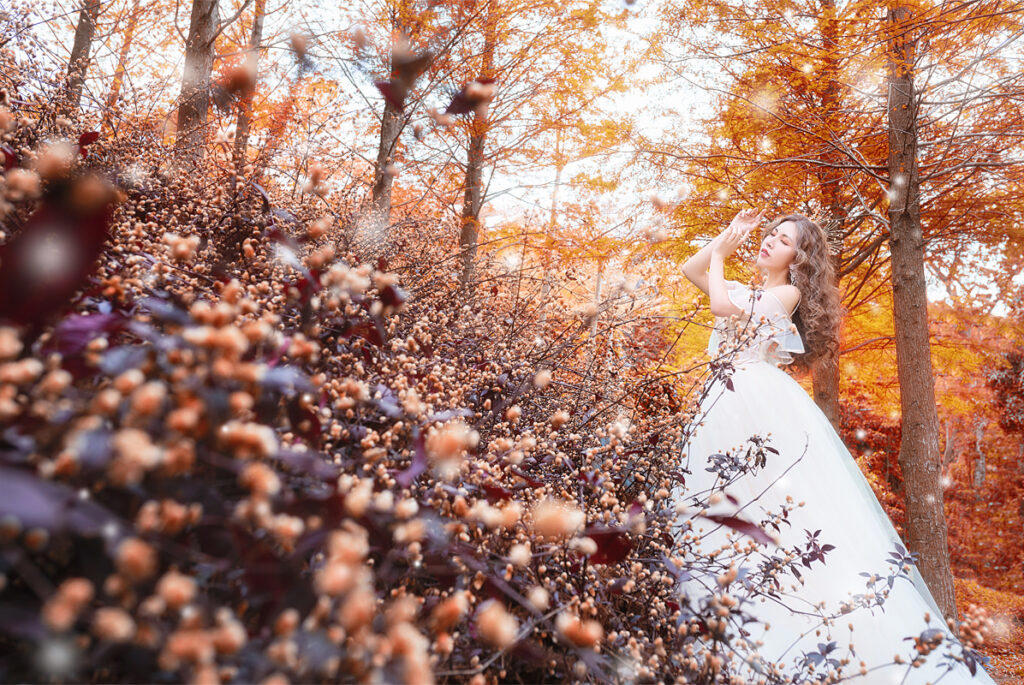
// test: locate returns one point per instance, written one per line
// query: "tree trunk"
(80, 49)
(545, 257)
(825, 384)
(979, 462)
(244, 120)
(825, 381)
(474, 195)
(949, 452)
(391, 124)
(194, 101)
(919, 443)
(122, 66)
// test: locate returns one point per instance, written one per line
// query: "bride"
(773, 502)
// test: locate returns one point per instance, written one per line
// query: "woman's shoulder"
(787, 294)
(786, 288)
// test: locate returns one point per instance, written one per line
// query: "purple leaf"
(286, 380)
(74, 332)
(93, 449)
(15, 447)
(406, 68)
(284, 215)
(393, 296)
(38, 503)
(263, 195)
(309, 463)
(745, 527)
(449, 414)
(394, 95)
(418, 464)
(368, 330)
(305, 422)
(165, 311)
(496, 492)
(122, 358)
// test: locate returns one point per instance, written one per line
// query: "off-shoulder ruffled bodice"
(769, 335)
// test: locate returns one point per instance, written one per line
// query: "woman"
(796, 481)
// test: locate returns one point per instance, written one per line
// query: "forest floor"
(1006, 644)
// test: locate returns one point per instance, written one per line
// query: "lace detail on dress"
(766, 332)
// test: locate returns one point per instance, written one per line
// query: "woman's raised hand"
(747, 219)
(733, 236)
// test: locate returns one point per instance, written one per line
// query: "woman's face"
(778, 247)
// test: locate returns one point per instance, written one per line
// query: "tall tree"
(391, 124)
(554, 69)
(830, 176)
(194, 101)
(474, 191)
(919, 443)
(80, 49)
(122, 65)
(245, 109)
(418, 42)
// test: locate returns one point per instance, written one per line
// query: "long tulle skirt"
(812, 466)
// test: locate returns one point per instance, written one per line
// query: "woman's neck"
(772, 280)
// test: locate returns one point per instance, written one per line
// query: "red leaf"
(393, 94)
(613, 545)
(87, 138)
(10, 159)
(462, 102)
(51, 257)
(496, 491)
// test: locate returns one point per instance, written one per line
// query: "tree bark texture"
(80, 49)
(919, 457)
(244, 120)
(194, 101)
(474, 194)
(825, 381)
(122, 66)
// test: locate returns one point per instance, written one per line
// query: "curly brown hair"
(819, 312)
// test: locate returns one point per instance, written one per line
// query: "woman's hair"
(818, 314)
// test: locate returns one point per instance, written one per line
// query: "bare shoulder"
(788, 295)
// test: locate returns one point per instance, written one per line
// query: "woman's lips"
(764, 252)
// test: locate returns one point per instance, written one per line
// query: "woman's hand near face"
(726, 242)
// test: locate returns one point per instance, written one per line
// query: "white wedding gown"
(837, 499)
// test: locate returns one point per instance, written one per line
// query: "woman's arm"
(721, 305)
(696, 267)
(701, 268)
